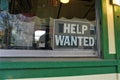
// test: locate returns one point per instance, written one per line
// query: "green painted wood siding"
(16, 70)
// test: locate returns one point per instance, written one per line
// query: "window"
(48, 28)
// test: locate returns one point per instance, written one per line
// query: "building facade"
(75, 43)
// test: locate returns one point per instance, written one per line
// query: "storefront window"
(50, 26)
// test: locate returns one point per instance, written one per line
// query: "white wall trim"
(88, 77)
(110, 22)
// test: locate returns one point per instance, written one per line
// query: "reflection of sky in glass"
(38, 34)
(1, 28)
(117, 2)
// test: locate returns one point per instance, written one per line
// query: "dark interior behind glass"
(27, 23)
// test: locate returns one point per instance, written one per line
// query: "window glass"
(49, 25)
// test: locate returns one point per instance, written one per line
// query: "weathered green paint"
(55, 69)
(104, 32)
(117, 29)
(117, 34)
(71, 68)
(20, 65)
